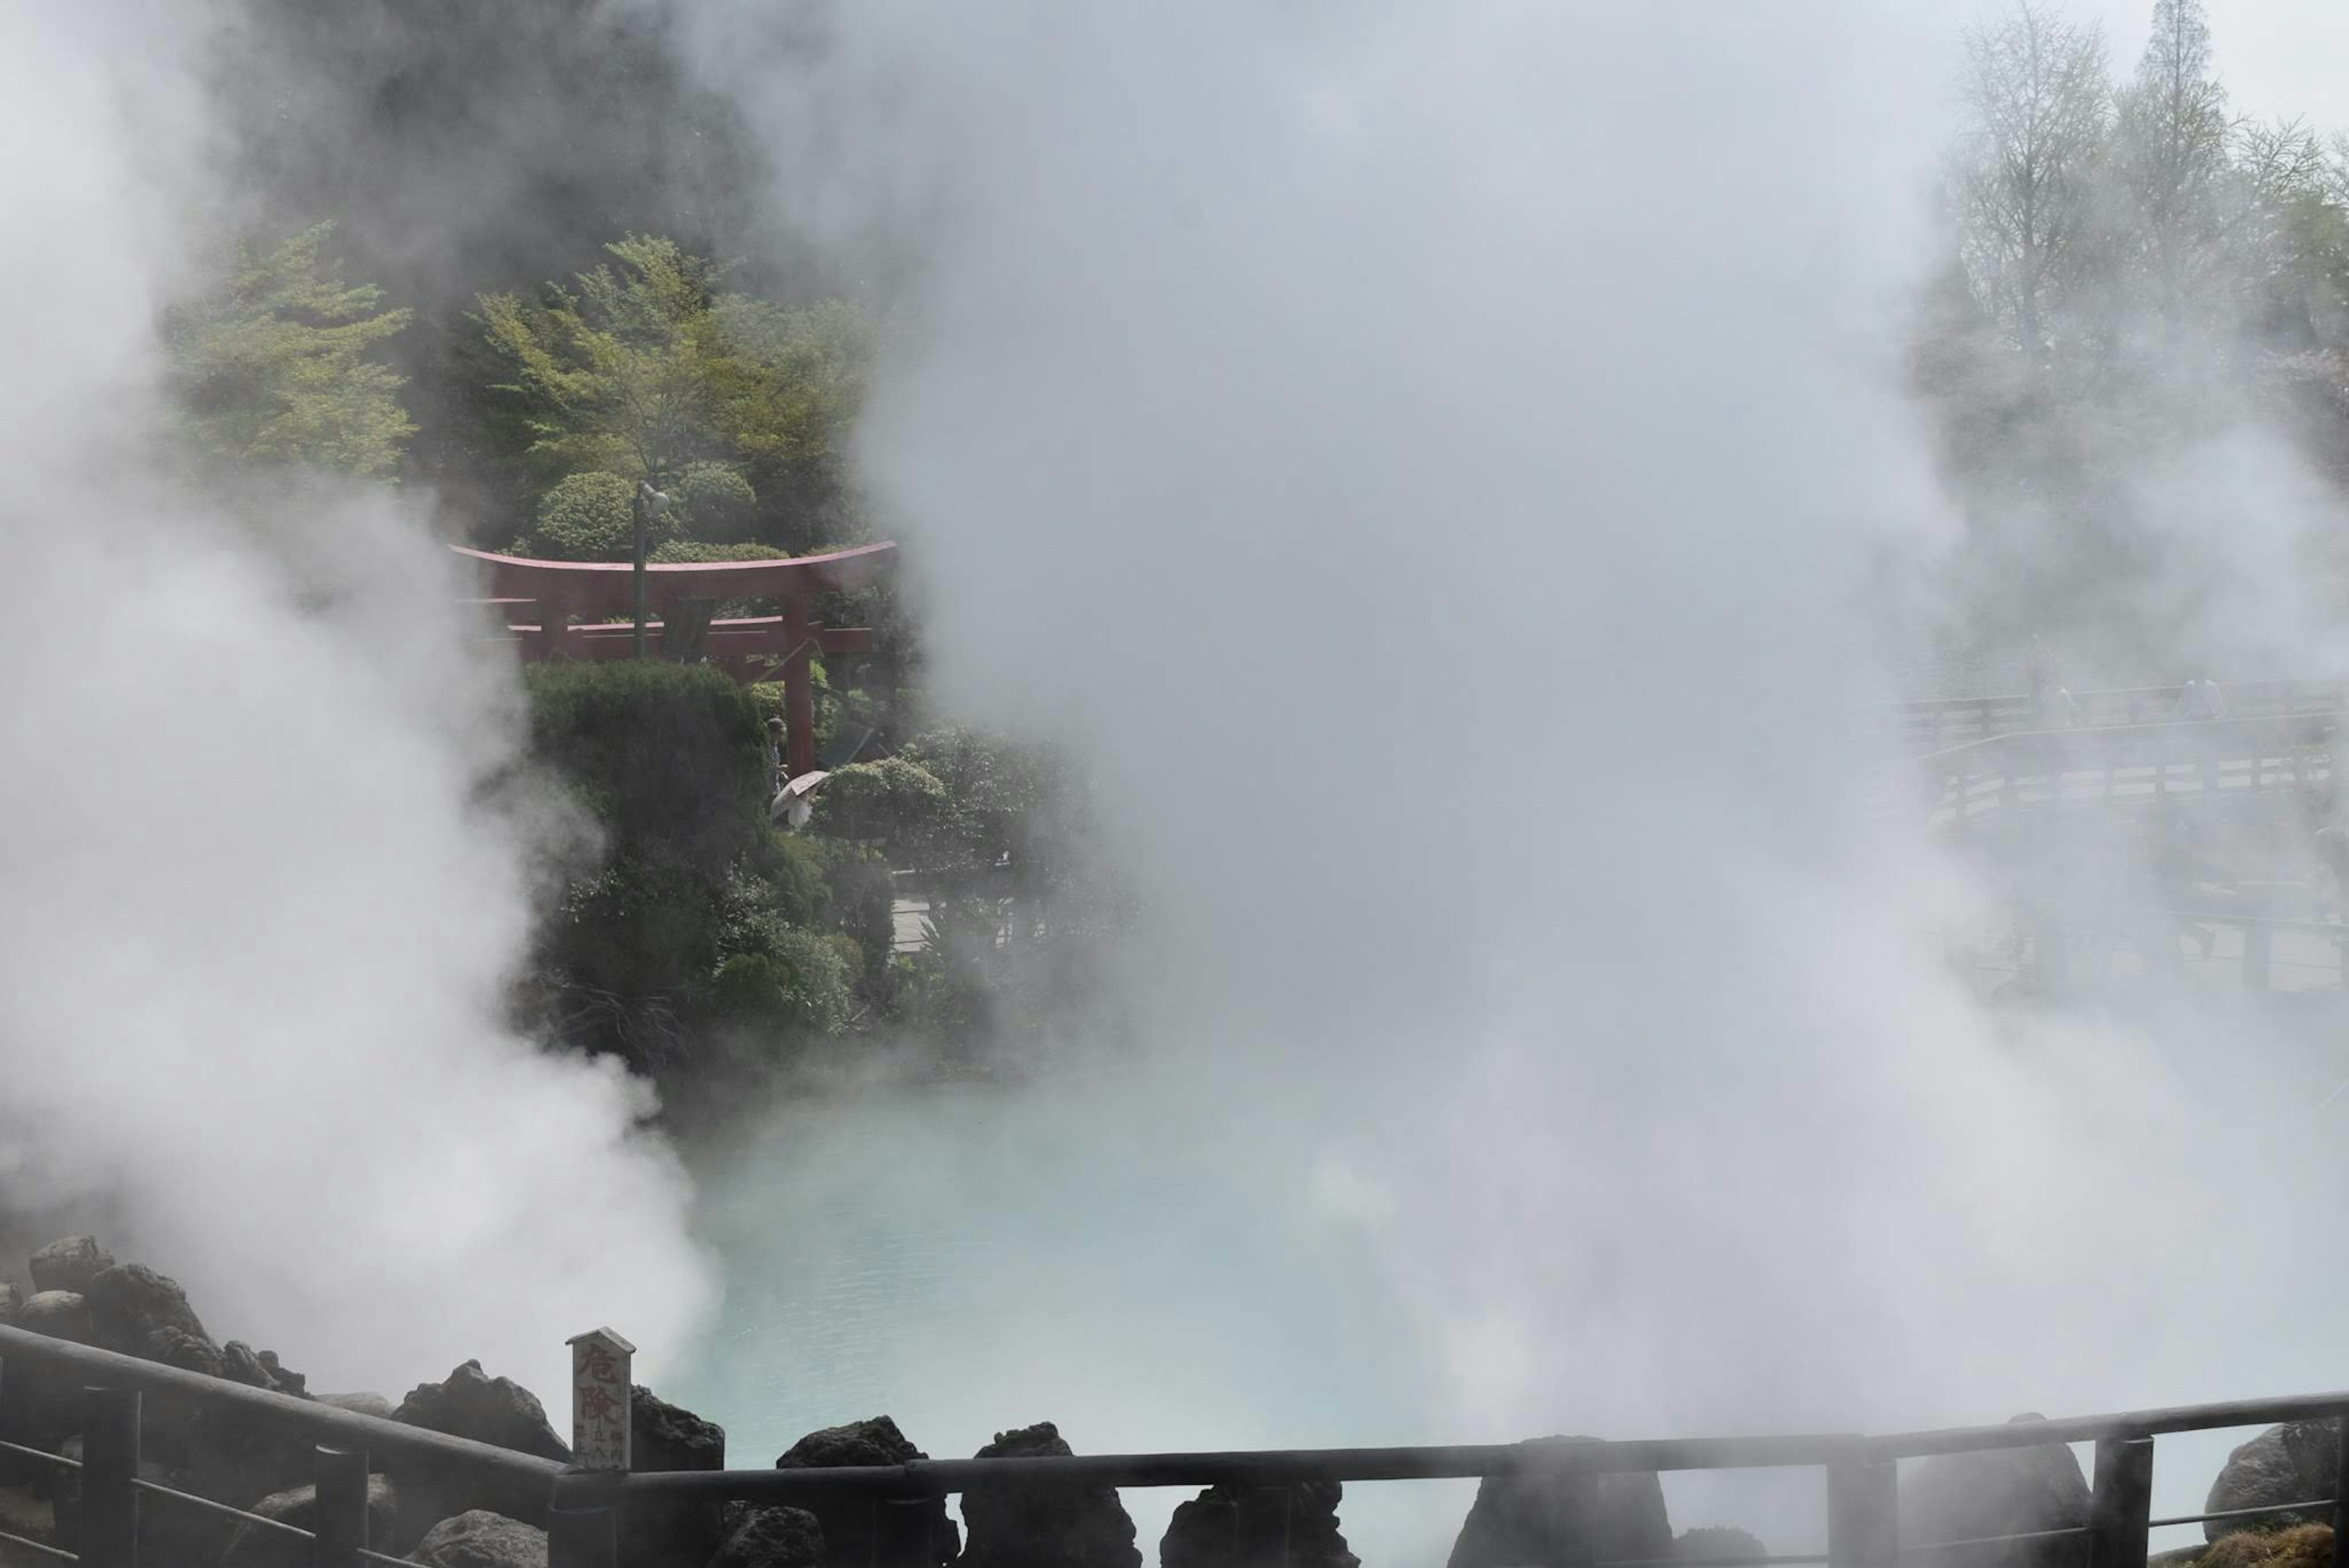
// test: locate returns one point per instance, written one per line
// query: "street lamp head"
(654, 501)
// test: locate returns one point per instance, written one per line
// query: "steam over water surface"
(967, 1260)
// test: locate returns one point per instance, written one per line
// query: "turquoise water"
(969, 1260)
(1152, 1270)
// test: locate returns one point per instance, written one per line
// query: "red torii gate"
(551, 592)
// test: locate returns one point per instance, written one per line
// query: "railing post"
(582, 1538)
(2121, 1504)
(1863, 1514)
(2259, 950)
(902, 1536)
(1577, 1494)
(2340, 1478)
(341, 1475)
(110, 1468)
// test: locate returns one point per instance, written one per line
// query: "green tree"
(271, 362)
(795, 377)
(644, 368)
(613, 373)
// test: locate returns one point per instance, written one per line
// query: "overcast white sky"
(2276, 56)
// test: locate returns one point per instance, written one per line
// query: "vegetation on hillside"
(2133, 269)
(2129, 267)
(274, 361)
(700, 944)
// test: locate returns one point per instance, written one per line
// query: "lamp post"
(649, 505)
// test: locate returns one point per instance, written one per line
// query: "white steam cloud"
(257, 921)
(1442, 466)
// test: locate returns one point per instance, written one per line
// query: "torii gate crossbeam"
(539, 598)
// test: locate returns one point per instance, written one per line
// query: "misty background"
(1448, 481)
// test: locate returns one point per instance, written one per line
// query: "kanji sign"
(599, 1401)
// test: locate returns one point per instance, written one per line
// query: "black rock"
(255, 1547)
(1998, 1491)
(2295, 1462)
(495, 1411)
(479, 1539)
(1530, 1520)
(1717, 1544)
(666, 1436)
(1044, 1524)
(69, 1263)
(60, 1314)
(240, 1364)
(285, 1380)
(1258, 1527)
(130, 1304)
(190, 1353)
(168, 1420)
(772, 1538)
(909, 1532)
(874, 1442)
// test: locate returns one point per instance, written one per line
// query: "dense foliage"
(272, 362)
(696, 921)
(644, 368)
(700, 944)
(2133, 269)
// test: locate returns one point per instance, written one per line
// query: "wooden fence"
(1939, 722)
(2197, 760)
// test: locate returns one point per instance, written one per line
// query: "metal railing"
(585, 1509)
(112, 1493)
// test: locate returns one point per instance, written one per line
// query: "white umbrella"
(791, 806)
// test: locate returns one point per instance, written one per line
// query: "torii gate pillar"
(798, 688)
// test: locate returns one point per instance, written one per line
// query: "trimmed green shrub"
(693, 552)
(895, 801)
(670, 758)
(592, 517)
(714, 503)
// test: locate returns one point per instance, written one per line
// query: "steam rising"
(1449, 471)
(1446, 471)
(259, 914)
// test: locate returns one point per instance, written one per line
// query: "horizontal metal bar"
(1270, 1468)
(320, 1423)
(2063, 1534)
(379, 1557)
(937, 1476)
(2321, 1505)
(207, 1505)
(43, 1455)
(2122, 1424)
(43, 1547)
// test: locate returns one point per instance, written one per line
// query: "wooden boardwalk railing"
(1938, 723)
(585, 1507)
(2205, 759)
